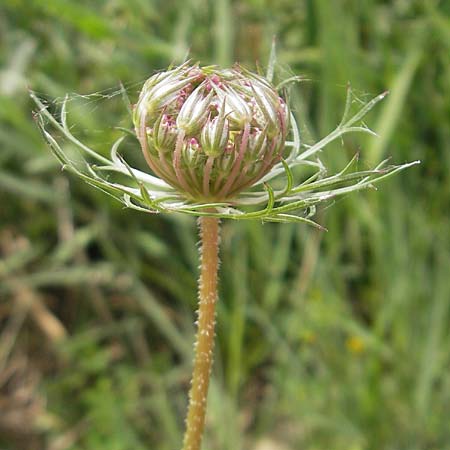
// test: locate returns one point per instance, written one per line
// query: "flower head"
(236, 119)
(219, 141)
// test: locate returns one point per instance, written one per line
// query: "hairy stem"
(195, 421)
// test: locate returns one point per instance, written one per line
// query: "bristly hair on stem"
(204, 345)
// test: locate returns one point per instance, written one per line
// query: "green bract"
(221, 143)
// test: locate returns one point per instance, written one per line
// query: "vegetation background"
(336, 340)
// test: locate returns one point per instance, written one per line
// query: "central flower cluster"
(210, 133)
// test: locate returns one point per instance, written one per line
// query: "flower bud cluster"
(210, 133)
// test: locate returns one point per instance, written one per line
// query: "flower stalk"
(195, 421)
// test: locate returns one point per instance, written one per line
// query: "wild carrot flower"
(210, 133)
(217, 142)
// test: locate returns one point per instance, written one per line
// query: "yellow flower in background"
(355, 345)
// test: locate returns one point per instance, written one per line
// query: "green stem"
(204, 346)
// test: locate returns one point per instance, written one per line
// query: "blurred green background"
(336, 340)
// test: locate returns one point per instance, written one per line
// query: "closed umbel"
(210, 133)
